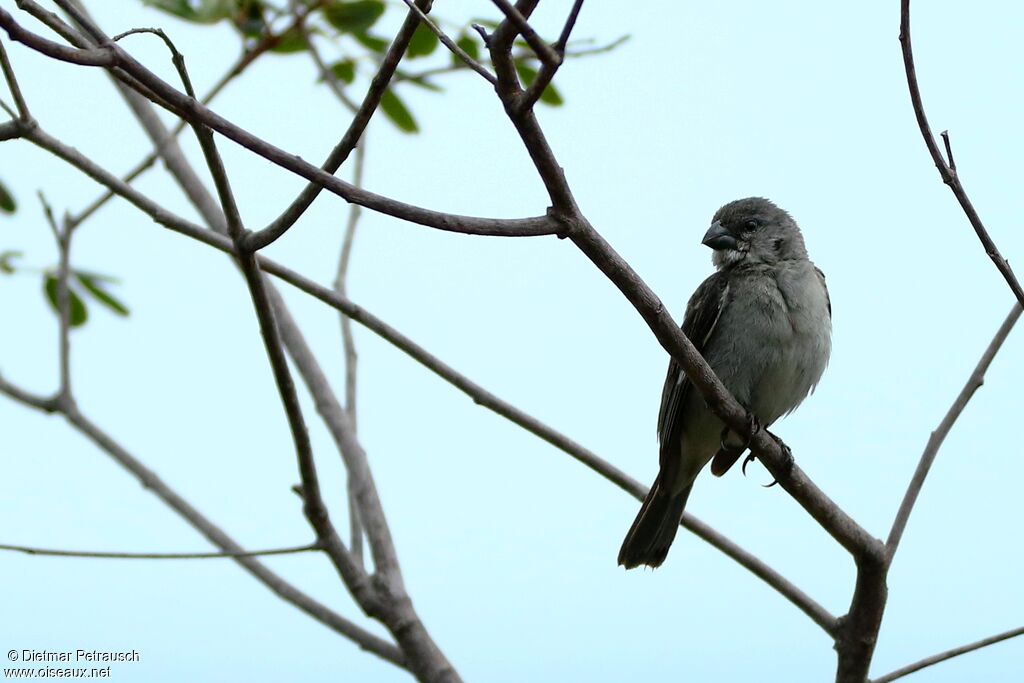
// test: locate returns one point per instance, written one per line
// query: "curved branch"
(948, 171)
(350, 139)
(97, 554)
(931, 450)
(948, 654)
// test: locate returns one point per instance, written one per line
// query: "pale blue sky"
(509, 546)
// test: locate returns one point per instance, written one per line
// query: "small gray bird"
(763, 322)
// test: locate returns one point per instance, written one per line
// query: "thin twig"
(949, 151)
(937, 437)
(166, 96)
(51, 552)
(548, 70)
(325, 72)
(314, 507)
(349, 348)
(207, 528)
(247, 58)
(341, 286)
(948, 654)
(62, 237)
(12, 85)
(349, 140)
(544, 52)
(570, 23)
(450, 44)
(948, 170)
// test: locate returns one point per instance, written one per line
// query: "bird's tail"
(654, 528)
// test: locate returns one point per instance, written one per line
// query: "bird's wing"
(702, 314)
(828, 300)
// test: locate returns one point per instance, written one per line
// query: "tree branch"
(544, 52)
(314, 507)
(62, 237)
(286, 591)
(937, 437)
(349, 347)
(450, 44)
(548, 70)
(12, 85)
(164, 95)
(386, 599)
(351, 137)
(95, 554)
(948, 171)
(948, 654)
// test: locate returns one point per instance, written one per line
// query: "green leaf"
(528, 75)
(78, 313)
(91, 284)
(354, 16)
(6, 261)
(372, 42)
(201, 12)
(469, 46)
(7, 203)
(423, 42)
(290, 41)
(248, 19)
(345, 70)
(399, 114)
(417, 80)
(551, 96)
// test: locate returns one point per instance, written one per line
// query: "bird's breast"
(780, 340)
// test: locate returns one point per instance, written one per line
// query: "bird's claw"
(749, 459)
(787, 458)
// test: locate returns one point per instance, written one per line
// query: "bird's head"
(753, 231)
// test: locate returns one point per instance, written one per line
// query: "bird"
(763, 322)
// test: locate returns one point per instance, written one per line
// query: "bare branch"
(349, 348)
(386, 599)
(239, 67)
(314, 507)
(450, 44)
(570, 23)
(208, 529)
(95, 554)
(544, 52)
(12, 85)
(931, 450)
(340, 286)
(548, 70)
(948, 171)
(166, 96)
(351, 137)
(321, 65)
(63, 239)
(948, 654)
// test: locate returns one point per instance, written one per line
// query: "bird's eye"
(750, 225)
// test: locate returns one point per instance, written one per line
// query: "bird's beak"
(718, 237)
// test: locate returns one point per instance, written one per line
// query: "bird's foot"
(787, 458)
(753, 427)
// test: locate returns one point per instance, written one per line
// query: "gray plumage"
(763, 322)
